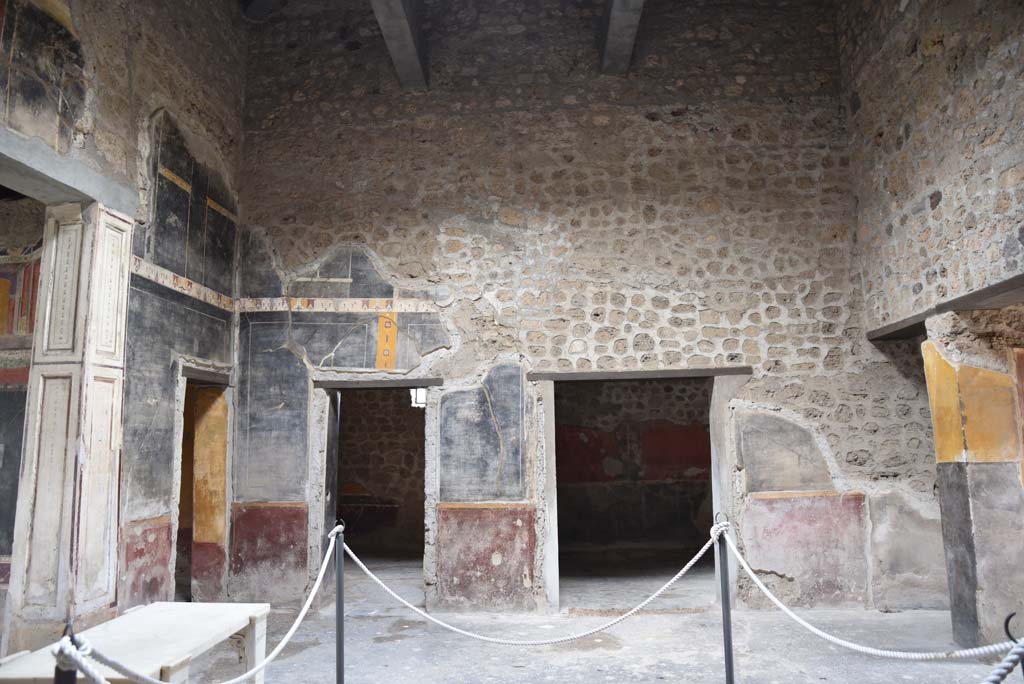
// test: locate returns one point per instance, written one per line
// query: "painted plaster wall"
(164, 327)
(696, 213)
(91, 80)
(935, 100)
(191, 236)
(633, 466)
(975, 371)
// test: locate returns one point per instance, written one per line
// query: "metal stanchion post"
(723, 576)
(66, 676)
(339, 607)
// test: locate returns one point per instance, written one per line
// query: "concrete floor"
(387, 645)
(616, 588)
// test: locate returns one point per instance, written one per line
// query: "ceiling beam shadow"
(400, 23)
(619, 27)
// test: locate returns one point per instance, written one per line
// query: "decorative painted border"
(190, 288)
(173, 281)
(344, 305)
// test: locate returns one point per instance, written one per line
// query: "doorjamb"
(319, 411)
(213, 374)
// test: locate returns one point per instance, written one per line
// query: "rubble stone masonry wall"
(934, 91)
(696, 213)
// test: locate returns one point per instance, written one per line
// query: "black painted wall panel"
(162, 324)
(193, 228)
(12, 424)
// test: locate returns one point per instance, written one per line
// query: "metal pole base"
(339, 608)
(723, 576)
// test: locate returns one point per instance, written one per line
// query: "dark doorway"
(381, 492)
(21, 247)
(633, 470)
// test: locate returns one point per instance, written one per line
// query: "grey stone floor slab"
(387, 645)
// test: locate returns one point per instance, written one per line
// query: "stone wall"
(381, 471)
(935, 98)
(633, 467)
(696, 213)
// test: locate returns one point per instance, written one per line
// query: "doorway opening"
(633, 471)
(381, 492)
(200, 556)
(21, 245)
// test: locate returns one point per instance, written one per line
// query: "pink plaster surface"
(811, 548)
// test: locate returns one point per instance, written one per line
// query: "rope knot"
(69, 654)
(720, 528)
(338, 529)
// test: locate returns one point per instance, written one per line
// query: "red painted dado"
(146, 562)
(662, 450)
(485, 556)
(582, 453)
(268, 538)
(13, 376)
(209, 565)
(674, 452)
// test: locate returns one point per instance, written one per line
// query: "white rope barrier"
(715, 532)
(963, 654)
(70, 657)
(1003, 669)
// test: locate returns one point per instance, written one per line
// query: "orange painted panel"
(944, 398)
(990, 415)
(387, 340)
(210, 466)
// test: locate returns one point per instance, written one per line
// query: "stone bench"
(159, 640)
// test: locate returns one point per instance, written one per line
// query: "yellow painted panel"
(1018, 358)
(944, 399)
(990, 415)
(387, 340)
(211, 459)
(188, 439)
